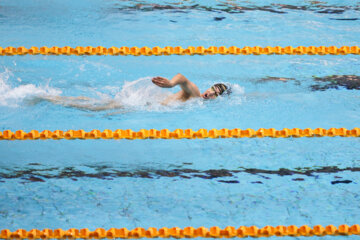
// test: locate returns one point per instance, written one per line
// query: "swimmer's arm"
(186, 85)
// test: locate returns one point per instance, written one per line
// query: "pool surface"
(167, 183)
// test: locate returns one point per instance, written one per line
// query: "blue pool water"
(157, 183)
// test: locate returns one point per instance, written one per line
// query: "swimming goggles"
(213, 88)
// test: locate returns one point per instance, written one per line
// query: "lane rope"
(187, 232)
(178, 50)
(179, 133)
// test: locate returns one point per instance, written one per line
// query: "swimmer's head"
(216, 90)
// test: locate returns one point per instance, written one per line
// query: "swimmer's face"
(211, 93)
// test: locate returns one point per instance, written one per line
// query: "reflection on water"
(33, 174)
(234, 7)
(350, 82)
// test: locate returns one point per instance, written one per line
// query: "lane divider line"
(178, 50)
(179, 133)
(187, 232)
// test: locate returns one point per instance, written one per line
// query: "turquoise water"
(157, 183)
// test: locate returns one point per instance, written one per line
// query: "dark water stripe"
(345, 19)
(108, 173)
(236, 8)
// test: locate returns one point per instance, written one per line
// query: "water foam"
(12, 96)
(237, 94)
(142, 93)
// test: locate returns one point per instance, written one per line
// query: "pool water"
(157, 183)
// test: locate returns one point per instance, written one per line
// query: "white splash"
(237, 89)
(237, 94)
(143, 94)
(12, 96)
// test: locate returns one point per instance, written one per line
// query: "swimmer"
(189, 89)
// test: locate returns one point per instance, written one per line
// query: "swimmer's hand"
(162, 82)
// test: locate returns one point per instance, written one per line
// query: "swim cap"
(223, 88)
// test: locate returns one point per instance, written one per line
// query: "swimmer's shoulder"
(180, 96)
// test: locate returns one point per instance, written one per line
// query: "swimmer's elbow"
(182, 79)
